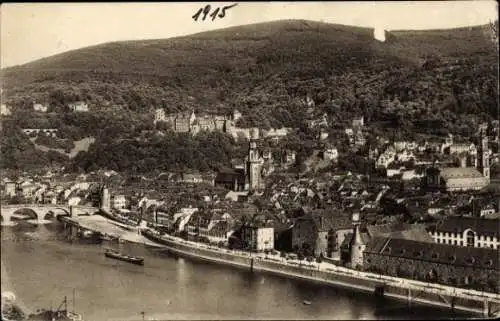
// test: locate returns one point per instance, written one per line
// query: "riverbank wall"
(409, 291)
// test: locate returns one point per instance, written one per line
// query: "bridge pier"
(409, 296)
(71, 230)
(486, 308)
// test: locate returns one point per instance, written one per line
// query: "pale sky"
(30, 31)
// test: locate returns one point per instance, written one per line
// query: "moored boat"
(123, 257)
(60, 314)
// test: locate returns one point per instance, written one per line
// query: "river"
(40, 267)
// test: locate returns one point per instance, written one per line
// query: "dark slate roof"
(221, 227)
(458, 224)
(325, 220)
(229, 176)
(415, 234)
(460, 172)
(435, 252)
(347, 240)
(281, 227)
(399, 230)
(365, 239)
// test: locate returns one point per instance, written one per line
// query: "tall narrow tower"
(483, 157)
(159, 115)
(253, 164)
(105, 199)
(357, 245)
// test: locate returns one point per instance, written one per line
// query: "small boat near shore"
(59, 314)
(306, 302)
(123, 257)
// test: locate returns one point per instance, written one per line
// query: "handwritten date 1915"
(205, 11)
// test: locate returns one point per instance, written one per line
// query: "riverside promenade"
(411, 291)
(106, 226)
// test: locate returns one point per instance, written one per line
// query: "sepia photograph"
(323, 160)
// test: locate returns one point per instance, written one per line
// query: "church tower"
(483, 157)
(254, 164)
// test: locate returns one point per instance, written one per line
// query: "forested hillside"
(422, 82)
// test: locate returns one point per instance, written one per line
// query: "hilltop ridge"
(416, 82)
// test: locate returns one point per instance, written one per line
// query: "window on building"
(470, 260)
(470, 239)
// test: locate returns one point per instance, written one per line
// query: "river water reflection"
(40, 267)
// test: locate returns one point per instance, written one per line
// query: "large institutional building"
(190, 123)
(467, 232)
(434, 262)
(463, 178)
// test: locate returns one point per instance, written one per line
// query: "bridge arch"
(55, 213)
(26, 211)
(42, 211)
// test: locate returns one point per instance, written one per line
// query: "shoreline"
(432, 294)
(411, 291)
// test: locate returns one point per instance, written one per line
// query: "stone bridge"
(43, 211)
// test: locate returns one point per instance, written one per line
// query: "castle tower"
(105, 198)
(159, 115)
(254, 164)
(192, 117)
(236, 115)
(483, 157)
(357, 245)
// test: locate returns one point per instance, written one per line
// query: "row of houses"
(46, 192)
(215, 226)
(396, 249)
(78, 106)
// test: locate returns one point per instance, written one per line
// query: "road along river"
(40, 266)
